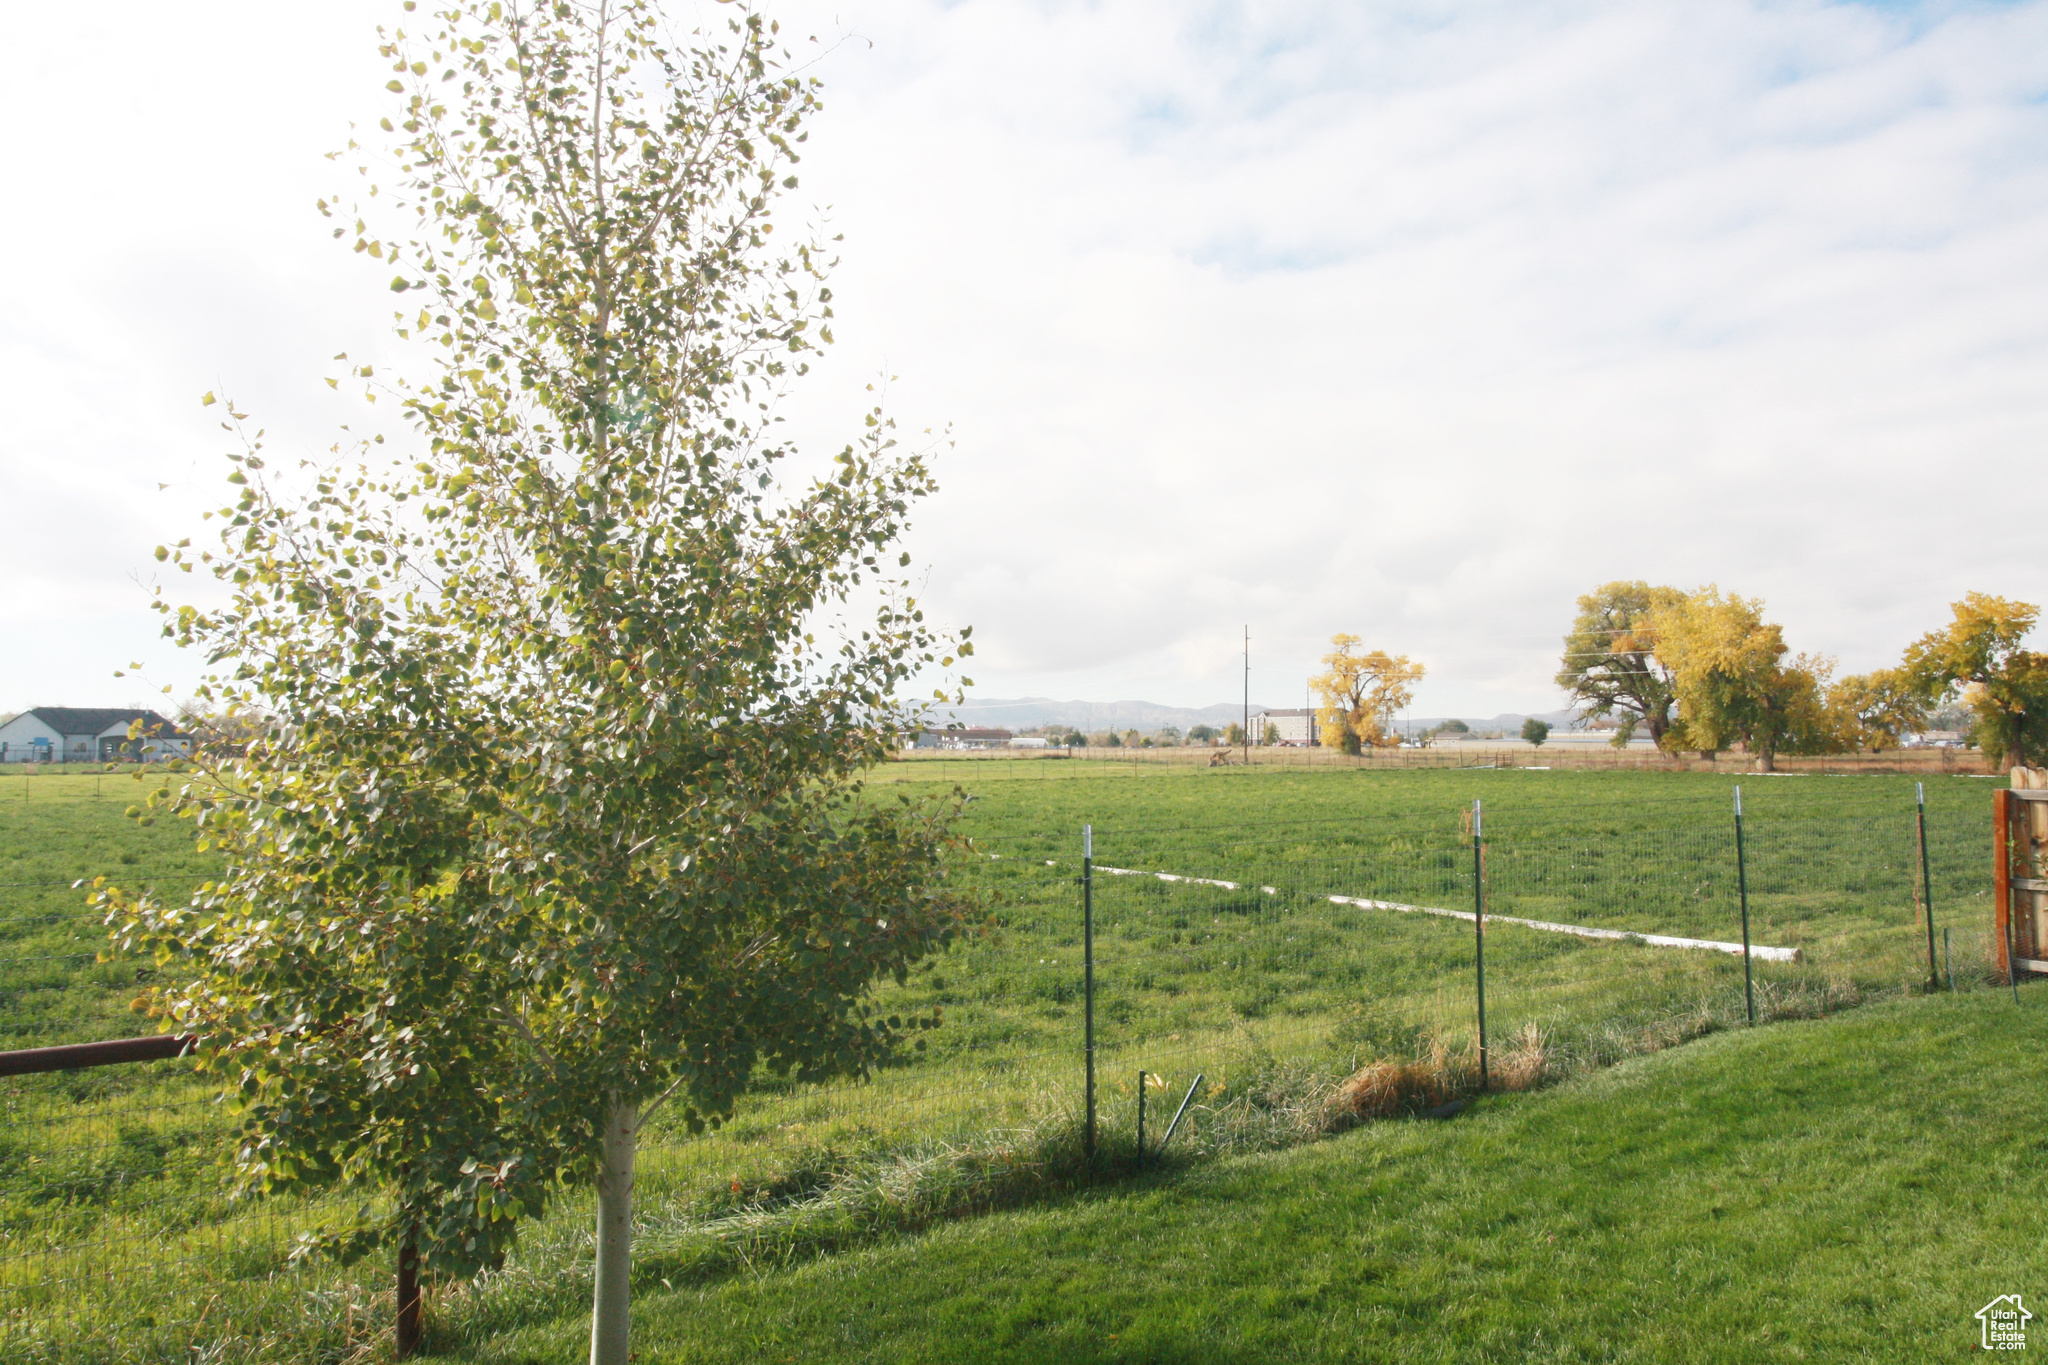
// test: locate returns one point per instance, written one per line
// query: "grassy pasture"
(109, 1175)
(1845, 1189)
(1832, 869)
(113, 1222)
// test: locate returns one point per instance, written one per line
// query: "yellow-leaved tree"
(1733, 683)
(1873, 710)
(1610, 665)
(1361, 693)
(1979, 652)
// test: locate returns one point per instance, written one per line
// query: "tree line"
(1704, 671)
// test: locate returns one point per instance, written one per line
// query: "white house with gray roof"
(88, 734)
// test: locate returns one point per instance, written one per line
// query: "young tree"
(553, 816)
(1201, 734)
(1610, 663)
(1361, 693)
(1233, 734)
(2005, 686)
(1535, 731)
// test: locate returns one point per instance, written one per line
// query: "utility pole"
(1247, 731)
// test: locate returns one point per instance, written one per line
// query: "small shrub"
(1391, 1087)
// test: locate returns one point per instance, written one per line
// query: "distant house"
(969, 737)
(1297, 727)
(88, 734)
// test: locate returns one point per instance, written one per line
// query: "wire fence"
(1248, 973)
(1007, 764)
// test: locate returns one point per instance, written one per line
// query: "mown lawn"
(1851, 1188)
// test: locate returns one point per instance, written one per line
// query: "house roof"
(94, 720)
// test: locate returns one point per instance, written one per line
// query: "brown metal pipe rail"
(77, 1056)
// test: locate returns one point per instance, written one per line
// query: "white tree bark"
(611, 1301)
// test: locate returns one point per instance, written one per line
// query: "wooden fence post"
(2001, 876)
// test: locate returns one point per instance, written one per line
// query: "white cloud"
(1412, 321)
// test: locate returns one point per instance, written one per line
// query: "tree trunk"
(1767, 761)
(406, 1339)
(611, 1300)
(2013, 757)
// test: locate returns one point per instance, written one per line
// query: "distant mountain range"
(1024, 713)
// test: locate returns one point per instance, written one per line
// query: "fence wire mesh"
(1254, 969)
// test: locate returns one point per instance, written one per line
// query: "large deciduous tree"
(1610, 665)
(1361, 693)
(1875, 710)
(2005, 686)
(549, 812)
(1732, 682)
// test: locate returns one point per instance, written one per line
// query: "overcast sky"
(1409, 320)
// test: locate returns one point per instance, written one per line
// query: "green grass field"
(1267, 991)
(1847, 1189)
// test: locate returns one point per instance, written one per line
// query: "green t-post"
(1141, 1118)
(1479, 935)
(1742, 890)
(1926, 885)
(1088, 971)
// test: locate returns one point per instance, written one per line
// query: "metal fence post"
(1742, 890)
(1926, 884)
(1479, 935)
(1185, 1101)
(1088, 972)
(1141, 1118)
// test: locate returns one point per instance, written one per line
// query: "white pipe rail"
(1581, 930)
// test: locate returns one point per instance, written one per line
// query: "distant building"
(1030, 742)
(75, 734)
(1298, 727)
(968, 737)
